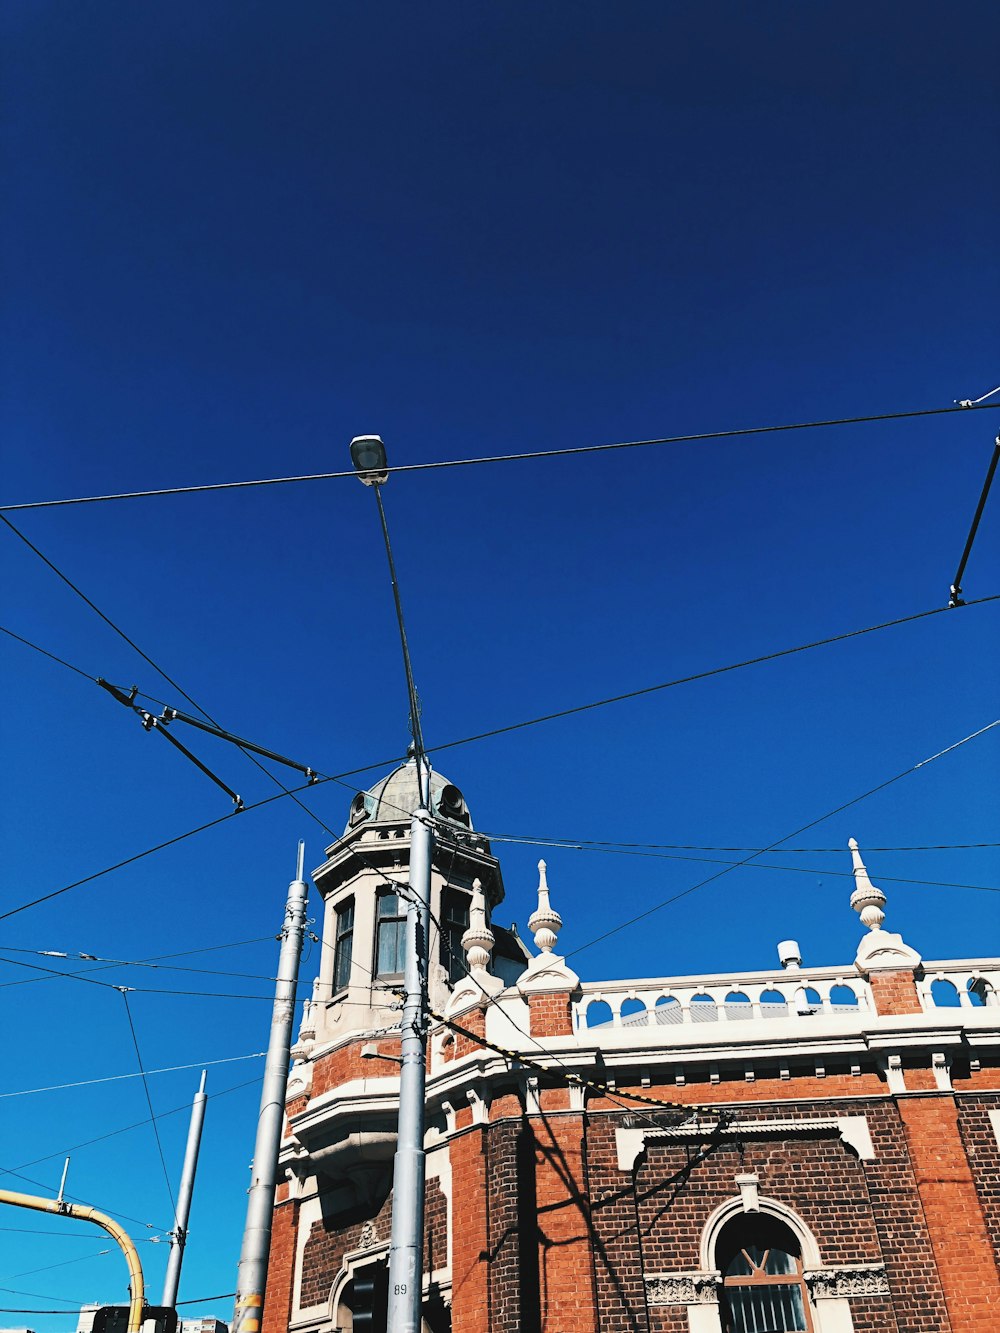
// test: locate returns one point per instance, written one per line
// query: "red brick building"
(817, 1148)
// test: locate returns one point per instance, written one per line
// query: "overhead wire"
(125, 1129)
(51, 1189)
(568, 452)
(846, 805)
(704, 675)
(288, 791)
(571, 844)
(119, 1078)
(107, 967)
(149, 1101)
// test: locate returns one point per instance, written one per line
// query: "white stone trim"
(995, 1122)
(700, 1288)
(847, 1280)
(852, 1129)
(310, 1211)
(811, 1259)
(438, 1167)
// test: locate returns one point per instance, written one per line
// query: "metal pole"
(252, 1277)
(178, 1237)
(406, 1244)
(84, 1213)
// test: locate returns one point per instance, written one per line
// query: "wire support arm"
(171, 714)
(956, 586)
(159, 724)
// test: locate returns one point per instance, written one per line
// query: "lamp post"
(406, 1242)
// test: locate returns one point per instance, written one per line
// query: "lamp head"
(368, 457)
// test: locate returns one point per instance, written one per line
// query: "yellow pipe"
(84, 1213)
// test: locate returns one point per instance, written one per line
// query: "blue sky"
(241, 235)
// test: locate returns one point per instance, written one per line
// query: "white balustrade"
(744, 997)
(803, 995)
(968, 984)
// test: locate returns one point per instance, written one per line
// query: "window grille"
(763, 1290)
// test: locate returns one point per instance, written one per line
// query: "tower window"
(391, 940)
(455, 923)
(343, 946)
(763, 1290)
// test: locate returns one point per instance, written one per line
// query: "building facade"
(799, 1149)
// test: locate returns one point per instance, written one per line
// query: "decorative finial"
(867, 900)
(544, 922)
(478, 940)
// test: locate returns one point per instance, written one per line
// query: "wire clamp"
(956, 598)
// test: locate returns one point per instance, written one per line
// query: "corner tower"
(363, 883)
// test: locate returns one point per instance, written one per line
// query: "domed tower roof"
(394, 798)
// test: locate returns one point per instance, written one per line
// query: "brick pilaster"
(565, 1258)
(895, 992)
(470, 1298)
(281, 1264)
(952, 1210)
(551, 1013)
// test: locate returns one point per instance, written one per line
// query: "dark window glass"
(344, 945)
(763, 1289)
(391, 941)
(455, 922)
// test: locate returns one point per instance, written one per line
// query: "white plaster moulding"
(852, 1129)
(351, 1099)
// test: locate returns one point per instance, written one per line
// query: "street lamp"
(368, 457)
(406, 1244)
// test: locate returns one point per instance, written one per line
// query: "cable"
(125, 1129)
(45, 652)
(72, 1314)
(135, 962)
(569, 1075)
(568, 844)
(621, 698)
(51, 1189)
(704, 675)
(698, 437)
(138, 856)
(812, 824)
(149, 1102)
(411, 689)
(170, 680)
(600, 844)
(80, 1258)
(143, 1074)
(16, 1292)
(84, 972)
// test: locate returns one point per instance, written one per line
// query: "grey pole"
(406, 1243)
(178, 1237)
(252, 1278)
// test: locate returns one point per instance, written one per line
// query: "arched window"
(763, 1290)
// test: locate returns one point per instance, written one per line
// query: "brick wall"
(324, 1251)
(346, 1063)
(983, 1153)
(860, 1212)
